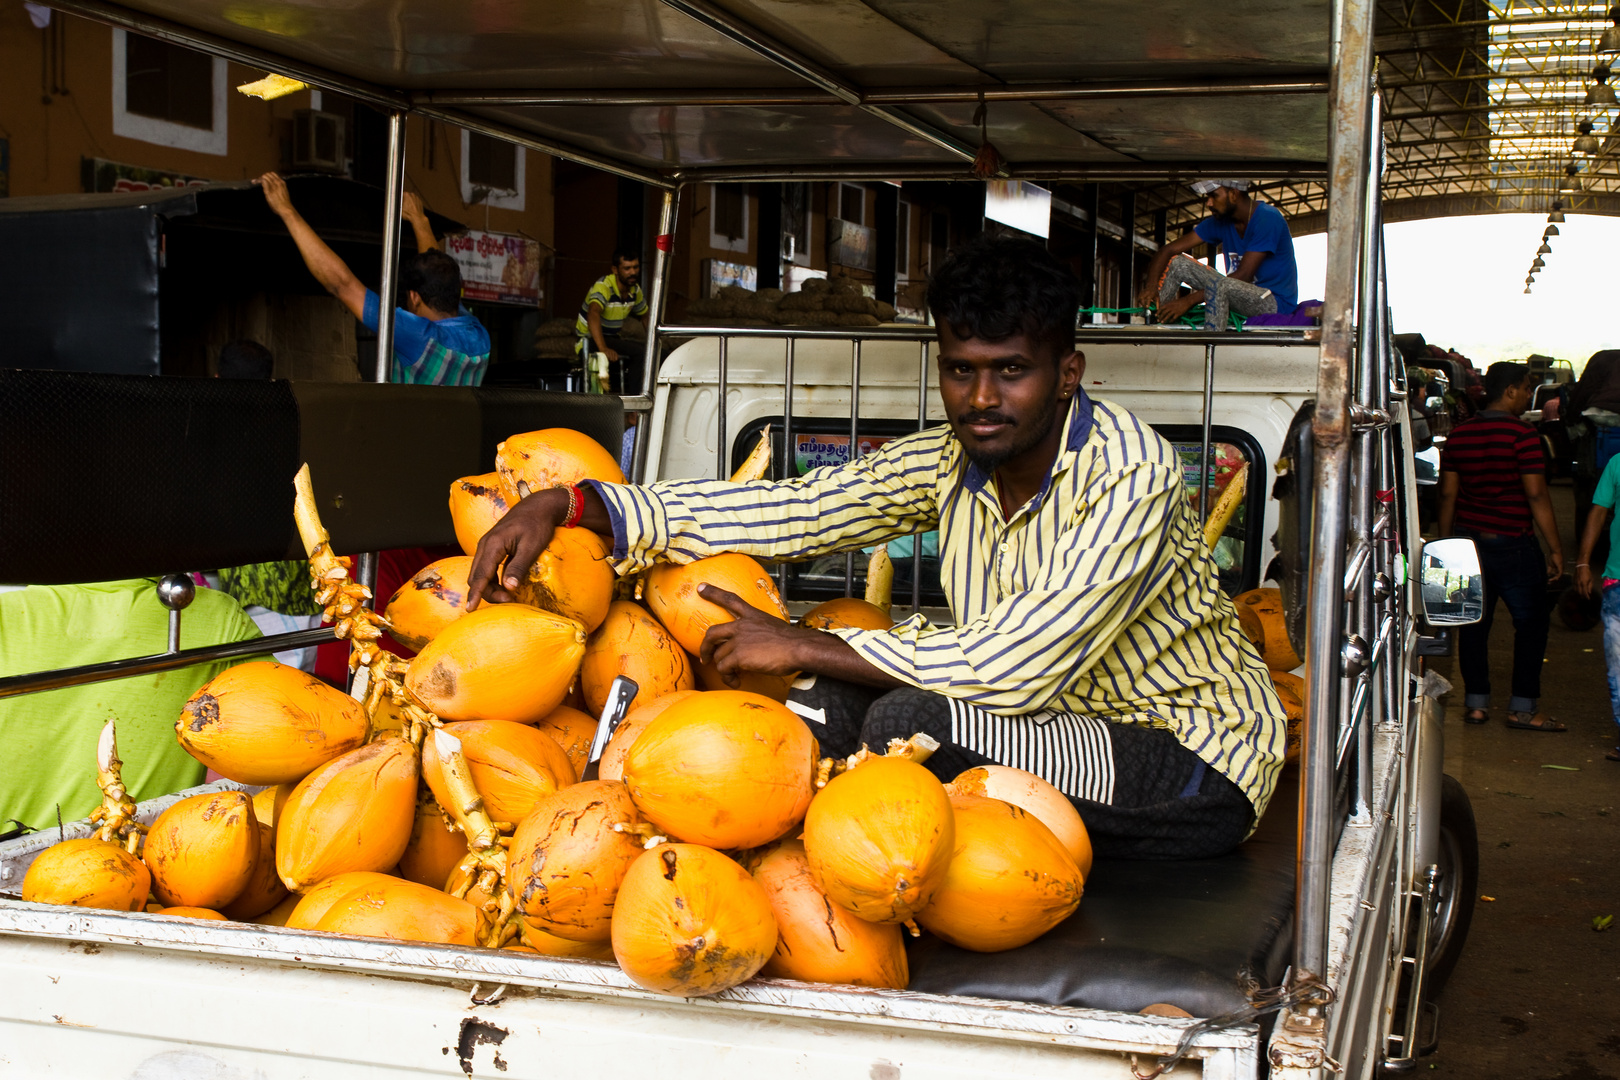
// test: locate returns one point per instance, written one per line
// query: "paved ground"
(1536, 995)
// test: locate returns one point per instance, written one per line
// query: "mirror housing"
(1453, 587)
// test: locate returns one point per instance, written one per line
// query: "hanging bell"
(1610, 41)
(1600, 92)
(1551, 230)
(1570, 182)
(1544, 249)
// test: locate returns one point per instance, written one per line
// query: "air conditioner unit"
(317, 141)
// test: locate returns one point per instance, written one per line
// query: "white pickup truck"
(1313, 949)
(101, 994)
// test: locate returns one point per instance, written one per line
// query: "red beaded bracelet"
(576, 507)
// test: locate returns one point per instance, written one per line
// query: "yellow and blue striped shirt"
(1098, 597)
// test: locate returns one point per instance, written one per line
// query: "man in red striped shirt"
(1493, 488)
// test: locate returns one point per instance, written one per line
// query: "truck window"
(1237, 551)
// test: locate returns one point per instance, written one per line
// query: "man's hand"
(1584, 580)
(753, 641)
(1148, 296)
(1555, 565)
(275, 193)
(1178, 307)
(412, 209)
(612, 354)
(515, 541)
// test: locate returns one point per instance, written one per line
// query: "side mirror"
(1453, 587)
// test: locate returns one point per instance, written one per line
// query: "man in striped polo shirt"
(1091, 644)
(1493, 487)
(612, 299)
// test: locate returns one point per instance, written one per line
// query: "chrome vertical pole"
(854, 443)
(1363, 507)
(790, 458)
(388, 299)
(922, 422)
(1350, 99)
(663, 260)
(721, 465)
(393, 201)
(1204, 474)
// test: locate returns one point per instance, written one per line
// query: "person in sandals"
(1493, 488)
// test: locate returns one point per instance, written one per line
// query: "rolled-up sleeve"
(1041, 641)
(884, 495)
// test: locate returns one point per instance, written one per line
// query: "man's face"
(1221, 203)
(628, 271)
(1522, 396)
(1003, 398)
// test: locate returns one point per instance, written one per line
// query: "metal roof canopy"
(685, 90)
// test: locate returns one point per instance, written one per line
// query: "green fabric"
(49, 738)
(278, 586)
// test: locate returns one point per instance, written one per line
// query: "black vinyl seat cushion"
(1198, 934)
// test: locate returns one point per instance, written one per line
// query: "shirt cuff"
(608, 494)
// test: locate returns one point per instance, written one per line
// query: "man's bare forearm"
(332, 272)
(832, 656)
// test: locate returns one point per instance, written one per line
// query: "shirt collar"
(1081, 421)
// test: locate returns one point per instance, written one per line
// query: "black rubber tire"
(1459, 885)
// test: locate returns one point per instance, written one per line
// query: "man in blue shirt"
(436, 340)
(1261, 276)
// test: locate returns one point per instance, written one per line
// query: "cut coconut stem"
(880, 579)
(759, 460)
(650, 837)
(467, 806)
(116, 814)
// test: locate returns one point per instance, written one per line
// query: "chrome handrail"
(57, 678)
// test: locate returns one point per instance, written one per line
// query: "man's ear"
(413, 300)
(1071, 370)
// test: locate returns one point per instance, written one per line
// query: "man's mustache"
(967, 419)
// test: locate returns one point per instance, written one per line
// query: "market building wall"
(66, 127)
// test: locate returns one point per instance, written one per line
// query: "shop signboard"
(814, 451)
(1020, 204)
(851, 245)
(101, 175)
(722, 273)
(496, 267)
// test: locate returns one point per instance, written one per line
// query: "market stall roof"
(1482, 106)
(681, 90)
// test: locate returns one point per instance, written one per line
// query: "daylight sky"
(1459, 282)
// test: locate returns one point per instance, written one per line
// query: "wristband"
(576, 507)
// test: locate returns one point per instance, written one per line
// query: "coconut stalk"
(919, 748)
(115, 817)
(485, 863)
(384, 673)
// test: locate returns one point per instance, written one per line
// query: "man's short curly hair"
(996, 286)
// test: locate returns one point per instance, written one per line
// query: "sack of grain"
(885, 312)
(800, 301)
(770, 296)
(561, 327)
(633, 329)
(814, 285)
(861, 320)
(735, 292)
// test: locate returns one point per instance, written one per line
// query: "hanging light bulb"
(1551, 230)
(1537, 265)
(1610, 41)
(1586, 142)
(1527, 290)
(1569, 182)
(1600, 92)
(1544, 249)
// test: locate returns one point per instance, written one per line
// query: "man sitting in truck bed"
(1261, 279)
(1092, 645)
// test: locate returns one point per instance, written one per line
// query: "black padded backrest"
(110, 476)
